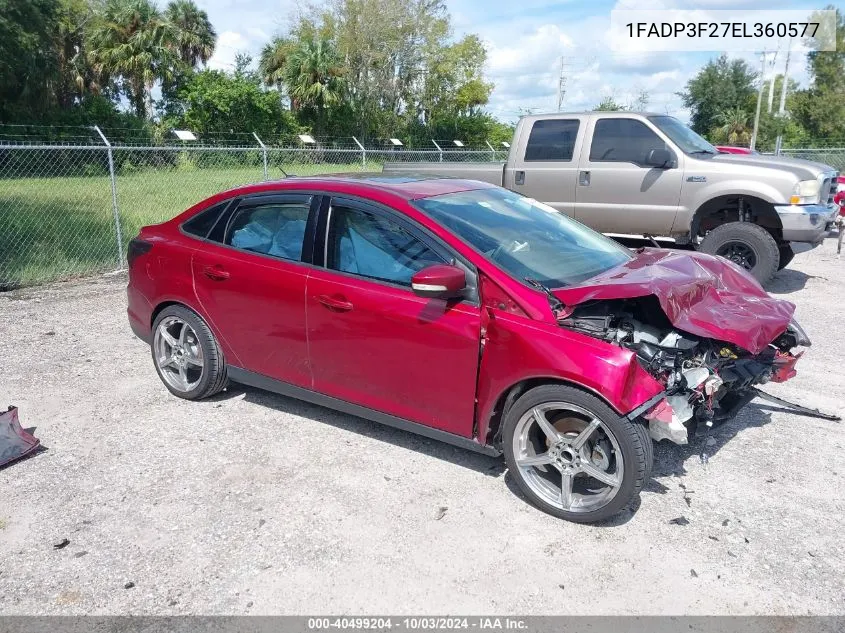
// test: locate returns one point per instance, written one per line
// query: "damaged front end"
(706, 381)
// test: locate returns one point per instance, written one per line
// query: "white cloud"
(535, 50)
(229, 44)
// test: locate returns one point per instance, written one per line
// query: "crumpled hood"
(701, 294)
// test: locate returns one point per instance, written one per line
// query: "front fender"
(518, 349)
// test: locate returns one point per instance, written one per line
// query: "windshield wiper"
(555, 303)
(704, 151)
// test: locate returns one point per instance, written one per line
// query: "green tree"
(133, 42)
(609, 104)
(820, 110)
(722, 85)
(27, 63)
(733, 126)
(273, 61)
(454, 83)
(194, 36)
(212, 102)
(313, 75)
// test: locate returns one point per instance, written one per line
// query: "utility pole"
(782, 108)
(772, 83)
(561, 82)
(759, 99)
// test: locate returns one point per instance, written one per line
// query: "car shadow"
(788, 281)
(484, 464)
(670, 459)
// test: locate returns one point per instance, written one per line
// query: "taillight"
(137, 247)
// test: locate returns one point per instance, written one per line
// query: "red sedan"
(731, 149)
(463, 312)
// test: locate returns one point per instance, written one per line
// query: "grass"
(58, 228)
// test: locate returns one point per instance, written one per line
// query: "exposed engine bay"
(706, 381)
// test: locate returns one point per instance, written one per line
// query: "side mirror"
(660, 158)
(441, 281)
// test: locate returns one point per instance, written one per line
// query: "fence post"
(263, 151)
(439, 149)
(115, 210)
(492, 151)
(363, 154)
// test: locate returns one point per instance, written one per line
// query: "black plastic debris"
(681, 520)
(61, 544)
(14, 441)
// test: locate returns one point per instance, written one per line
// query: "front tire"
(186, 354)
(572, 455)
(748, 245)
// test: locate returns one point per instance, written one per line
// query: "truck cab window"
(623, 141)
(552, 140)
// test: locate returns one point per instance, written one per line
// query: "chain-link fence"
(69, 210)
(833, 156)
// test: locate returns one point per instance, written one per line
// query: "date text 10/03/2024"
(424, 623)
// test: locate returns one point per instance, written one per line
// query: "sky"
(526, 40)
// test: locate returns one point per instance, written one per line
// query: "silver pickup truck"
(649, 174)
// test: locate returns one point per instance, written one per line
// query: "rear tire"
(748, 245)
(572, 456)
(186, 354)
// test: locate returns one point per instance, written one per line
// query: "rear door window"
(276, 229)
(552, 140)
(201, 224)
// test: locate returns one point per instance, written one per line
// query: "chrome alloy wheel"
(568, 457)
(178, 354)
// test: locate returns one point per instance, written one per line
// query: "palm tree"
(132, 40)
(273, 61)
(194, 36)
(313, 75)
(733, 126)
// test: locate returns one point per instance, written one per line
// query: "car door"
(249, 278)
(372, 341)
(616, 191)
(546, 164)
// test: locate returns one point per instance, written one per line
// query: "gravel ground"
(255, 503)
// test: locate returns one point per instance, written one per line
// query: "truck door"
(545, 161)
(617, 192)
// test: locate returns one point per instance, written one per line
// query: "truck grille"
(828, 189)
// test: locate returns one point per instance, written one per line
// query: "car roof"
(408, 186)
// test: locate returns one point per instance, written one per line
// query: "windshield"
(682, 136)
(528, 239)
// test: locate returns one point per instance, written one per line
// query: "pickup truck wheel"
(572, 455)
(786, 255)
(748, 245)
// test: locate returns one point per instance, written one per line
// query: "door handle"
(519, 177)
(584, 178)
(216, 272)
(335, 303)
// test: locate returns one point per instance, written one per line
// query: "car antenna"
(287, 175)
